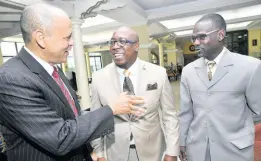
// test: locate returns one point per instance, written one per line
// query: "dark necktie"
(128, 87)
(127, 84)
(65, 91)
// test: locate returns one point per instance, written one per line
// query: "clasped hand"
(127, 104)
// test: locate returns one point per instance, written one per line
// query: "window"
(10, 49)
(19, 46)
(237, 41)
(95, 61)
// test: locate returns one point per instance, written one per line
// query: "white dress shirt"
(133, 77)
(217, 60)
(45, 65)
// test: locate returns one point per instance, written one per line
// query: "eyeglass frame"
(120, 44)
(206, 34)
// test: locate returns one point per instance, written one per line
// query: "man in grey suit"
(40, 115)
(219, 92)
(141, 138)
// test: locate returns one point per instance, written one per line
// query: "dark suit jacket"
(36, 120)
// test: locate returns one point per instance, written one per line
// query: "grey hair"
(217, 20)
(38, 16)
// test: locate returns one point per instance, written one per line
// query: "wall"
(254, 50)
(143, 33)
(186, 49)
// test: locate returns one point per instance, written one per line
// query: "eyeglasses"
(121, 42)
(202, 37)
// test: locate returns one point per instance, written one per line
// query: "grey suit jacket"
(151, 139)
(220, 111)
(36, 120)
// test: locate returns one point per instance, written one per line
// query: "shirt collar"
(218, 58)
(46, 65)
(133, 69)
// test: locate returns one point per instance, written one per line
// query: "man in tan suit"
(140, 138)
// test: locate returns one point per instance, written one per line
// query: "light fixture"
(184, 32)
(228, 15)
(97, 20)
(97, 37)
(229, 27)
(238, 25)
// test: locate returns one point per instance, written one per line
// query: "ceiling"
(174, 17)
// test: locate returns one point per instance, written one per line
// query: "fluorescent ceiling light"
(97, 37)
(228, 15)
(97, 20)
(238, 25)
(184, 32)
(229, 26)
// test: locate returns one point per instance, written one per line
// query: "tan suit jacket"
(151, 139)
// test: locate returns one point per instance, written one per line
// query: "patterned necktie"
(211, 65)
(65, 91)
(128, 87)
(127, 84)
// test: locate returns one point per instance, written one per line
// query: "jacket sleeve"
(186, 113)
(24, 108)
(253, 91)
(169, 119)
(97, 144)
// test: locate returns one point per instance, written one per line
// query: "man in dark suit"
(40, 116)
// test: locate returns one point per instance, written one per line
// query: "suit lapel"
(142, 78)
(142, 81)
(221, 71)
(222, 68)
(115, 78)
(201, 69)
(37, 68)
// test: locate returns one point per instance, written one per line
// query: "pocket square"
(152, 86)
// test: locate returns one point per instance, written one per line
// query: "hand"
(170, 158)
(183, 153)
(101, 159)
(124, 104)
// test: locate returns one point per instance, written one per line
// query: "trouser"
(133, 156)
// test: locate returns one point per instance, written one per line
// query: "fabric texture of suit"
(37, 122)
(220, 110)
(147, 132)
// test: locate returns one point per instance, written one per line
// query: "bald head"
(129, 33)
(38, 16)
(216, 20)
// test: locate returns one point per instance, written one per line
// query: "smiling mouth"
(118, 55)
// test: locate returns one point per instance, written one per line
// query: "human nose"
(71, 42)
(115, 45)
(196, 41)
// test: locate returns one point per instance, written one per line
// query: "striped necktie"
(65, 91)
(211, 65)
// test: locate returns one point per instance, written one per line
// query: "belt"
(132, 146)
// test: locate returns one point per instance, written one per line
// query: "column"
(143, 33)
(161, 54)
(88, 64)
(80, 64)
(171, 52)
(1, 56)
